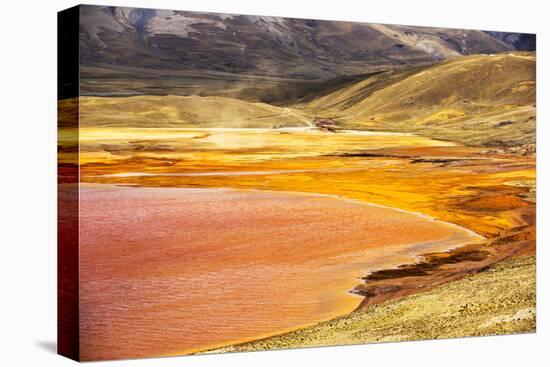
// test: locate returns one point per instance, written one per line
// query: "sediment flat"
(490, 193)
(180, 270)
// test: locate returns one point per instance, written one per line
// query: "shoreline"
(498, 215)
(305, 193)
(445, 267)
(381, 293)
(455, 304)
(455, 236)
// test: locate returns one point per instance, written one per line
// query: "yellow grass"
(199, 142)
(500, 300)
(477, 100)
(184, 111)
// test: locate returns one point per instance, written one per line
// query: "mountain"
(519, 41)
(480, 100)
(125, 51)
(475, 87)
(477, 99)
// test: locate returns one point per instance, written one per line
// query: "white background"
(28, 182)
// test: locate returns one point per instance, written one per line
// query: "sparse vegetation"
(498, 300)
(178, 111)
(180, 108)
(479, 100)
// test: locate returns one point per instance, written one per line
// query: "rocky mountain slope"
(519, 41)
(147, 51)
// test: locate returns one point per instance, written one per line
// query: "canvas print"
(242, 183)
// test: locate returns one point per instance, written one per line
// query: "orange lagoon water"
(176, 270)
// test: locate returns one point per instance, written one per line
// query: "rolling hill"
(180, 111)
(477, 100)
(132, 51)
(147, 67)
(481, 100)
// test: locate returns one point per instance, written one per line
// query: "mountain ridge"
(158, 43)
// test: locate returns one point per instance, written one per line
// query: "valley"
(249, 183)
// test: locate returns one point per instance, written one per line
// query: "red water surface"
(168, 271)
